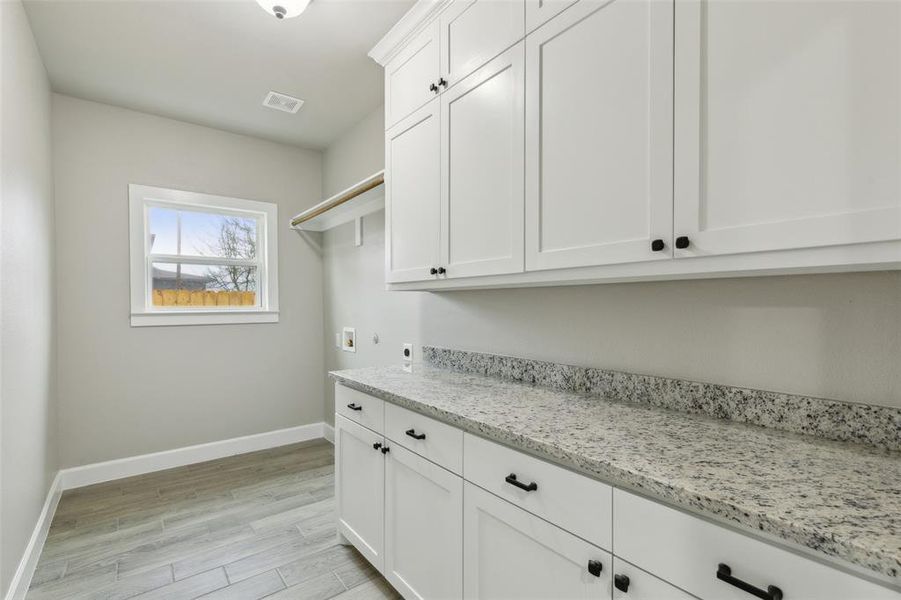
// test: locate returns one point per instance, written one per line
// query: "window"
(201, 259)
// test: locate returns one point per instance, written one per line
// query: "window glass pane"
(163, 230)
(209, 234)
(201, 234)
(198, 286)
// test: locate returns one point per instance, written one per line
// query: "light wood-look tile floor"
(258, 525)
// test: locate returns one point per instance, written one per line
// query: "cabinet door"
(599, 135)
(360, 488)
(423, 527)
(410, 75)
(509, 553)
(539, 12)
(413, 195)
(475, 31)
(631, 583)
(482, 170)
(788, 124)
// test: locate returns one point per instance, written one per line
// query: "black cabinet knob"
(433, 88)
(682, 242)
(442, 82)
(385, 449)
(376, 445)
(595, 567)
(433, 271)
(621, 582)
(657, 245)
(441, 270)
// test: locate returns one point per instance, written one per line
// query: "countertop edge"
(814, 544)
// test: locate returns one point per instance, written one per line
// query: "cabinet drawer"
(436, 441)
(687, 551)
(361, 408)
(574, 502)
(631, 583)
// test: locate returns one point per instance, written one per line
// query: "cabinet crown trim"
(413, 21)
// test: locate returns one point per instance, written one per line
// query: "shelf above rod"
(356, 201)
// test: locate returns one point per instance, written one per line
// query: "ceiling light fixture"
(284, 9)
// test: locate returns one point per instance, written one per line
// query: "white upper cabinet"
(652, 139)
(423, 527)
(482, 170)
(788, 124)
(599, 135)
(475, 31)
(538, 12)
(413, 195)
(411, 78)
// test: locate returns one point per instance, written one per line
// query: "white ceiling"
(212, 62)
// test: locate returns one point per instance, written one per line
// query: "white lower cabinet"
(717, 563)
(360, 488)
(423, 526)
(512, 526)
(510, 553)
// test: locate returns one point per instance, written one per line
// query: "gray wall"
(836, 336)
(126, 391)
(28, 453)
(353, 278)
(358, 153)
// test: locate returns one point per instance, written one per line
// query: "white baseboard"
(328, 432)
(25, 571)
(76, 477)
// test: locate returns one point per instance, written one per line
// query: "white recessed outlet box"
(408, 357)
(349, 339)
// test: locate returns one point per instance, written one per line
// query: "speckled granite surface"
(859, 423)
(835, 498)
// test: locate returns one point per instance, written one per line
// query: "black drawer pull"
(724, 573)
(595, 567)
(621, 582)
(353, 406)
(511, 479)
(416, 436)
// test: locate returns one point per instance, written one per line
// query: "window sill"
(164, 319)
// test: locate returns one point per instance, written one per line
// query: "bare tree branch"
(236, 239)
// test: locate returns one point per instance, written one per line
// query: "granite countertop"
(836, 498)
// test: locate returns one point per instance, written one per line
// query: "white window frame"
(143, 313)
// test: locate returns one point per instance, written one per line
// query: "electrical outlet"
(408, 357)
